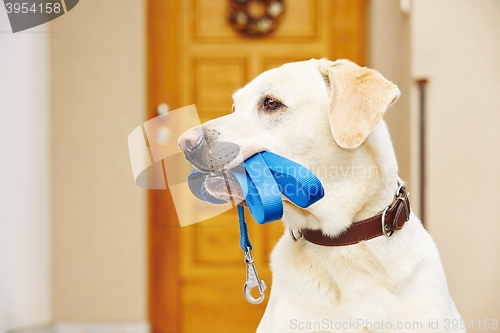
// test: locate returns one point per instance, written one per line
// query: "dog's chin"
(225, 187)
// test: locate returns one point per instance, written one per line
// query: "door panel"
(197, 272)
(214, 81)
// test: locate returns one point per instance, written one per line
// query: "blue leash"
(244, 239)
(265, 177)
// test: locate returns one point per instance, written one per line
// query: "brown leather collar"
(392, 218)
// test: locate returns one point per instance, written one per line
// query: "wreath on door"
(255, 18)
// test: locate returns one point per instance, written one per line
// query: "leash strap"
(244, 240)
(263, 197)
(265, 177)
(270, 175)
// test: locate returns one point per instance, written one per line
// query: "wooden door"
(196, 273)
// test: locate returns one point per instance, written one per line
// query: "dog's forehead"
(288, 76)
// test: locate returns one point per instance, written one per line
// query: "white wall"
(25, 293)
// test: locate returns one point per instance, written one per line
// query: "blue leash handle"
(265, 177)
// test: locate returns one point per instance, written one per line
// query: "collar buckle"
(401, 197)
(387, 232)
(293, 235)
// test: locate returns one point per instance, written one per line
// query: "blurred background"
(83, 249)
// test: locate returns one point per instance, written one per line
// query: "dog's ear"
(359, 97)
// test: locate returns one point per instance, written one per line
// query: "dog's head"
(315, 112)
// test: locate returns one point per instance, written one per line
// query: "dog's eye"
(271, 104)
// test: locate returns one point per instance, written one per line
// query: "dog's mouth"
(213, 157)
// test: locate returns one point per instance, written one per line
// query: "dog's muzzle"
(205, 154)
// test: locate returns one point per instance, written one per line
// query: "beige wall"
(456, 45)
(99, 215)
(388, 52)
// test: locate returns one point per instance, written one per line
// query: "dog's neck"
(359, 183)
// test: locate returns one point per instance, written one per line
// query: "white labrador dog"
(328, 116)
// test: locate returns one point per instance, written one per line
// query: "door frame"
(348, 25)
(163, 226)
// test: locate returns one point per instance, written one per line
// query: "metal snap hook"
(248, 293)
(253, 281)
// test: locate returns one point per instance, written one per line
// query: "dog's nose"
(191, 139)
